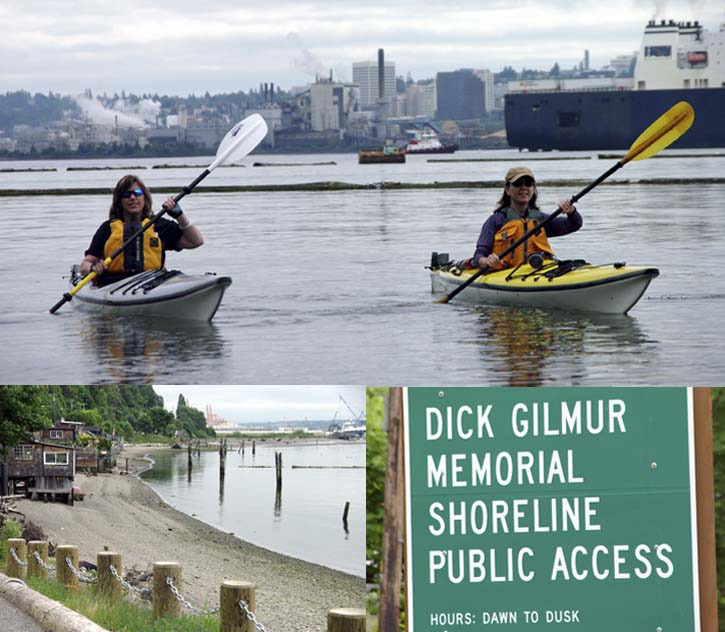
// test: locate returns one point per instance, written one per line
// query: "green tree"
(376, 459)
(23, 410)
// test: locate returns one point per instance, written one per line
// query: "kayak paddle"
(239, 141)
(663, 132)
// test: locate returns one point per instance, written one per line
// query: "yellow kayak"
(572, 285)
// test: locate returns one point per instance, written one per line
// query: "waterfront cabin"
(40, 469)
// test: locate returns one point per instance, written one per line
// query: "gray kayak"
(162, 293)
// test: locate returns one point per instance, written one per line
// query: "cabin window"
(55, 458)
(658, 51)
(23, 452)
(568, 119)
(56, 434)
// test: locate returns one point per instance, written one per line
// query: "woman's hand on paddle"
(567, 207)
(492, 261)
(96, 266)
(172, 208)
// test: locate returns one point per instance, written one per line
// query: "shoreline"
(125, 514)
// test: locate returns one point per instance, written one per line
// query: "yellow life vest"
(513, 229)
(146, 254)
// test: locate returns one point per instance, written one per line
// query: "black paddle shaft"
(529, 233)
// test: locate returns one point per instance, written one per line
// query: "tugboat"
(427, 142)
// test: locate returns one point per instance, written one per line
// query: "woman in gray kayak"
(130, 209)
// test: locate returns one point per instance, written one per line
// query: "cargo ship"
(676, 62)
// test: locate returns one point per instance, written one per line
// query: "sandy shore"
(124, 514)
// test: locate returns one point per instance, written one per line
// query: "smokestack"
(586, 60)
(271, 93)
(381, 73)
(266, 89)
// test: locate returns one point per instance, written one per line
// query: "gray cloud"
(180, 47)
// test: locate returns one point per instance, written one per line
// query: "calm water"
(304, 522)
(330, 288)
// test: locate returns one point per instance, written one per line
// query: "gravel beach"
(124, 514)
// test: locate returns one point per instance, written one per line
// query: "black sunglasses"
(135, 192)
(523, 182)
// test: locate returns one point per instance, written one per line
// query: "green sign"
(551, 508)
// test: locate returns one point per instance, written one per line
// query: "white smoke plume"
(305, 61)
(660, 10)
(124, 114)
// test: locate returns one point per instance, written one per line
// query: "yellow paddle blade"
(663, 132)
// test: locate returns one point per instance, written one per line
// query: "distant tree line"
(23, 108)
(126, 410)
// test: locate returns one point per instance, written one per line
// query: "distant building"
(461, 95)
(365, 75)
(488, 82)
(331, 105)
(421, 99)
(622, 65)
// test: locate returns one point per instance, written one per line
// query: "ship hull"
(609, 119)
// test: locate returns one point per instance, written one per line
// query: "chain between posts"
(251, 616)
(83, 578)
(14, 555)
(184, 601)
(40, 561)
(125, 584)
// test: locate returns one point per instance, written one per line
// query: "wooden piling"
(108, 585)
(254, 448)
(190, 453)
(126, 465)
(62, 573)
(345, 512)
(346, 620)
(35, 569)
(278, 465)
(233, 618)
(12, 567)
(165, 603)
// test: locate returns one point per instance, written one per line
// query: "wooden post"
(62, 573)
(165, 603)
(34, 567)
(233, 618)
(278, 465)
(392, 550)
(108, 585)
(254, 448)
(12, 567)
(189, 455)
(704, 477)
(126, 465)
(346, 620)
(345, 512)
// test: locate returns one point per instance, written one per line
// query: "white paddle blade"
(240, 140)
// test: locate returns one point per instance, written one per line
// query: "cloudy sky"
(186, 46)
(241, 404)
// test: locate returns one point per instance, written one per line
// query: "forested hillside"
(124, 409)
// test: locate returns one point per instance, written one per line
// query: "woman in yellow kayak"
(516, 214)
(130, 209)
